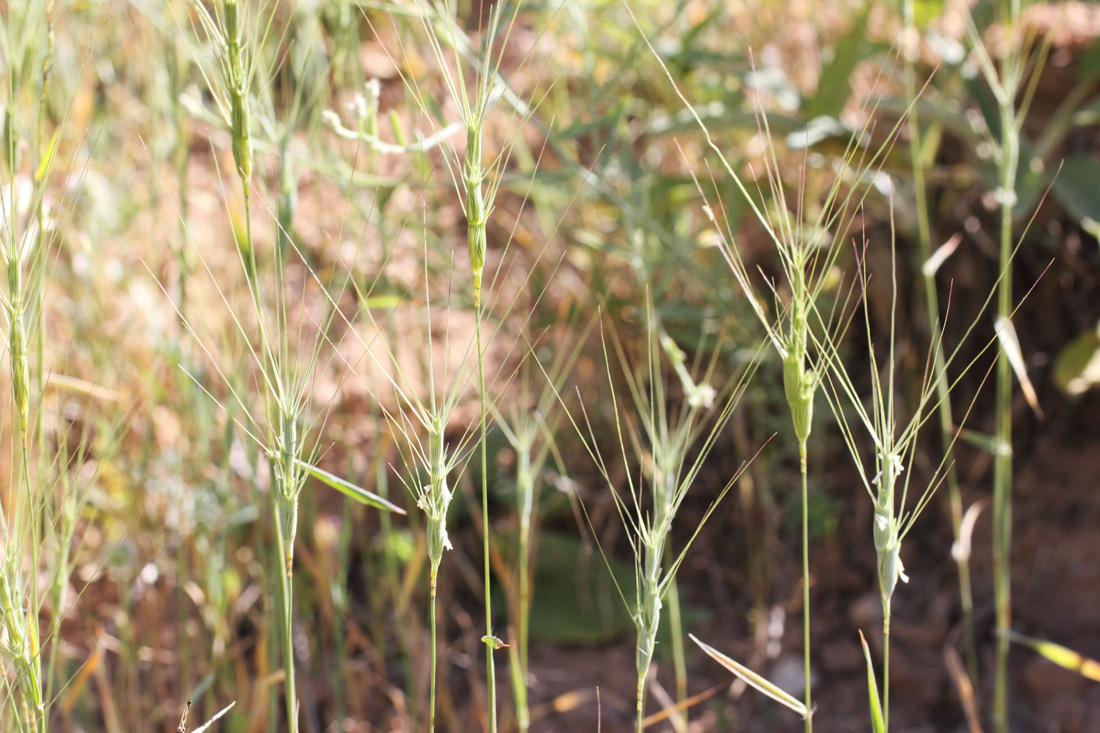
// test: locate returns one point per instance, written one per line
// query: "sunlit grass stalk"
(661, 437)
(429, 454)
(23, 227)
(918, 158)
(284, 394)
(1006, 80)
(806, 256)
(421, 425)
(282, 409)
(479, 192)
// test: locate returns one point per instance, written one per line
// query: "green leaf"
(1090, 62)
(47, 160)
(925, 11)
(877, 722)
(349, 489)
(1077, 367)
(1077, 187)
(753, 679)
(492, 641)
(383, 302)
(981, 440)
(575, 601)
(836, 76)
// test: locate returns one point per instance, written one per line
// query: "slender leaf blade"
(877, 722)
(349, 489)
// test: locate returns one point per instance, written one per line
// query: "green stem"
(803, 466)
(676, 629)
(931, 298)
(525, 484)
(286, 619)
(886, 665)
(490, 669)
(433, 578)
(1002, 466)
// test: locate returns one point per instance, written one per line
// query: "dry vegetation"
(329, 325)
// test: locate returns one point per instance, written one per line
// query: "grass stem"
(917, 154)
(803, 467)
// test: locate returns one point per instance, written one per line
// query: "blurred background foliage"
(599, 213)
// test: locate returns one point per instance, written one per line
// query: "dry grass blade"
(965, 688)
(1060, 655)
(753, 679)
(220, 713)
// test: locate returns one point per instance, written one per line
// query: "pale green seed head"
(799, 386)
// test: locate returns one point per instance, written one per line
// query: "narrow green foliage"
(238, 78)
(26, 533)
(477, 204)
(350, 490)
(286, 367)
(878, 724)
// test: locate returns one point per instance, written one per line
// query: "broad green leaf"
(1077, 187)
(1077, 367)
(753, 679)
(878, 725)
(1060, 655)
(575, 600)
(349, 489)
(834, 86)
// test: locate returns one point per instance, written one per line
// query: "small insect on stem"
(182, 728)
